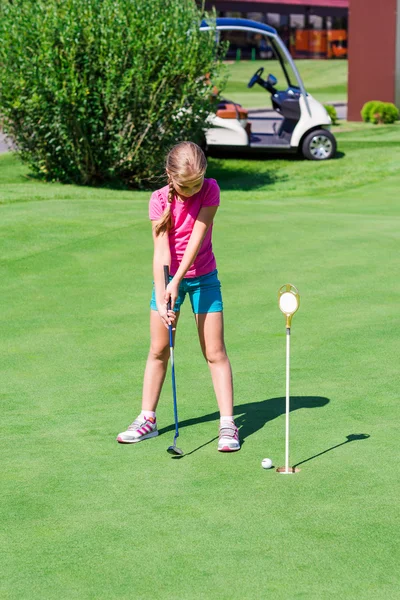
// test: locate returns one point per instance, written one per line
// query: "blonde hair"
(185, 164)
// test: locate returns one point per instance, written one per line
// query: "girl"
(182, 215)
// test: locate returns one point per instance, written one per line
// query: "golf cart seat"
(231, 110)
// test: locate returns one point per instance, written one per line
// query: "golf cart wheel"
(320, 144)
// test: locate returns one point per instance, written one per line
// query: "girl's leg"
(157, 362)
(145, 426)
(211, 335)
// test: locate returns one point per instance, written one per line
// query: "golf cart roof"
(224, 22)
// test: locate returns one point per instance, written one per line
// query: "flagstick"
(287, 398)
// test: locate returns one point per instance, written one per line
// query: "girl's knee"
(159, 352)
(216, 354)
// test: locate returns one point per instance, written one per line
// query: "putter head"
(175, 451)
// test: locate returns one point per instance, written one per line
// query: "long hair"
(185, 164)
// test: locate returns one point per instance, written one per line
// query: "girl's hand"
(168, 317)
(171, 293)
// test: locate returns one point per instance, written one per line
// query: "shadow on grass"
(240, 175)
(350, 438)
(252, 417)
(338, 155)
(243, 172)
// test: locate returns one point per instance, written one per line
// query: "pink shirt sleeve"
(156, 207)
(212, 194)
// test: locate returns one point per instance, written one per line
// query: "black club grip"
(166, 279)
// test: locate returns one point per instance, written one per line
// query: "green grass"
(324, 79)
(85, 518)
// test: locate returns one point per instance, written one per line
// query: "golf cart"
(297, 123)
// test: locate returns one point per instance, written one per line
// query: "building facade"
(374, 54)
(315, 29)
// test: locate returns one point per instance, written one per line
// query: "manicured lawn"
(324, 79)
(85, 518)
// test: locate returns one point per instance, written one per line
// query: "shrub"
(366, 110)
(371, 111)
(98, 90)
(390, 113)
(376, 111)
(331, 110)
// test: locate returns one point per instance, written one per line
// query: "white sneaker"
(141, 429)
(228, 438)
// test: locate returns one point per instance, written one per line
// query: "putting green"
(84, 517)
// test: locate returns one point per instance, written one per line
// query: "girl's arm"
(202, 224)
(161, 257)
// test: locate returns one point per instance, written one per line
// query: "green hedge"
(331, 110)
(95, 91)
(376, 111)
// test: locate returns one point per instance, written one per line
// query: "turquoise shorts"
(204, 294)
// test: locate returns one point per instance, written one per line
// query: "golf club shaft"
(171, 352)
(287, 398)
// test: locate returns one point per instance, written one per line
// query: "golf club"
(289, 302)
(172, 449)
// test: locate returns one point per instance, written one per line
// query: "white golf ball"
(266, 463)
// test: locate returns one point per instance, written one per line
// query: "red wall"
(372, 53)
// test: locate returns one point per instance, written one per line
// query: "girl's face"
(188, 188)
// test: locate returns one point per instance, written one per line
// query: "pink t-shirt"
(184, 215)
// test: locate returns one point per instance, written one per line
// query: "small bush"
(376, 111)
(94, 91)
(368, 108)
(372, 111)
(391, 113)
(331, 110)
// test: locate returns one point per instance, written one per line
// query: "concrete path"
(341, 109)
(4, 147)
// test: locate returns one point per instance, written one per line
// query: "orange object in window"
(337, 43)
(321, 43)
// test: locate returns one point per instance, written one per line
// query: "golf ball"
(266, 463)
